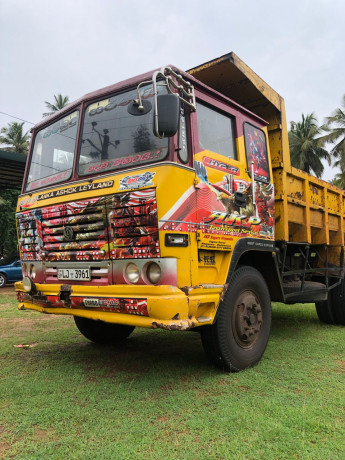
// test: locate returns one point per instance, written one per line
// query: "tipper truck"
(169, 201)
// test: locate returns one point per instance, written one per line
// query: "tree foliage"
(14, 139)
(307, 146)
(59, 103)
(8, 232)
(335, 128)
(335, 125)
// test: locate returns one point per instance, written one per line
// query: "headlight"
(132, 273)
(154, 272)
(28, 284)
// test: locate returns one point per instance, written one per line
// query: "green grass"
(157, 397)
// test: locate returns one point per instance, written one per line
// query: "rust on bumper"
(181, 325)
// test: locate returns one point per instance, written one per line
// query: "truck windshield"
(113, 138)
(53, 153)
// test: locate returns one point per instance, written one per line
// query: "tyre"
(324, 311)
(101, 332)
(338, 303)
(238, 338)
(3, 280)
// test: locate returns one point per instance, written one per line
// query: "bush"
(8, 232)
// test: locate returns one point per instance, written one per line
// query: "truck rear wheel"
(101, 332)
(324, 311)
(332, 310)
(238, 338)
(338, 303)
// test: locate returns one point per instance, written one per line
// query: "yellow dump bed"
(308, 210)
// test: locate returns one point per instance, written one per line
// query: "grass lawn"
(157, 397)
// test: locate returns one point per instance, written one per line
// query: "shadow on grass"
(148, 353)
(145, 352)
(294, 320)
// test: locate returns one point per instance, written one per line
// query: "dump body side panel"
(308, 210)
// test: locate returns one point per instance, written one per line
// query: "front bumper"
(163, 306)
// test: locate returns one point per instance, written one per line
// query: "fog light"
(154, 272)
(132, 273)
(28, 284)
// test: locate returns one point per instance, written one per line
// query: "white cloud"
(73, 47)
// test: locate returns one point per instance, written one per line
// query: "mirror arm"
(155, 95)
(188, 96)
(185, 92)
(139, 100)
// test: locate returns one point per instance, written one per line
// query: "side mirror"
(168, 113)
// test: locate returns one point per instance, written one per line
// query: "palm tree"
(59, 103)
(14, 139)
(306, 145)
(338, 131)
(339, 180)
(335, 125)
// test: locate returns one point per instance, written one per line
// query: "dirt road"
(8, 290)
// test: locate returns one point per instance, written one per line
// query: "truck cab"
(161, 202)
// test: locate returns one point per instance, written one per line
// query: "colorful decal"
(76, 189)
(137, 181)
(120, 226)
(27, 202)
(134, 225)
(256, 151)
(129, 160)
(114, 304)
(215, 164)
(59, 177)
(118, 305)
(218, 211)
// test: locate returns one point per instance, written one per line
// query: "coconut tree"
(306, 145)
(59, 103)
(335, 125)
(14, 139)
(339, 180)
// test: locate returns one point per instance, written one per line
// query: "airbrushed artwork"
(256, 151)
(228, 207)
(120, 226)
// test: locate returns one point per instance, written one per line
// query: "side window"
(256, 152)
(216, 131)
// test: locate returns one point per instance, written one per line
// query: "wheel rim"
(247, 319)
(2, 280)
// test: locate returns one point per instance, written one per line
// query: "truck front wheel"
(238, 338)
(101, 332)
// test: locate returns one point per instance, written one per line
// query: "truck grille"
(121, 226)
(43, 236)
(133, 225)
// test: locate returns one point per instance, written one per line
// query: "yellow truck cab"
(168, 201)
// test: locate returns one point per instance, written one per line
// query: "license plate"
(74, 274)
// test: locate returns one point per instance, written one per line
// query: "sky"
(73, 47)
